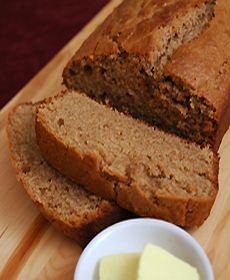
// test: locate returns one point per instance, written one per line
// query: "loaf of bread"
(145, 170)
(165, 62)
(72, 209)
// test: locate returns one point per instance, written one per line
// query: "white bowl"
(131, 236)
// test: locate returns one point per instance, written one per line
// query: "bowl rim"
(141, 221)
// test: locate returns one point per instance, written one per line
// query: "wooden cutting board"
(30, 247)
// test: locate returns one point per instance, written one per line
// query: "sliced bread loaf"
(144, 169)
(165, 62)
(72, 209)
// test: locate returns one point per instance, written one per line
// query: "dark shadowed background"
(32, 32)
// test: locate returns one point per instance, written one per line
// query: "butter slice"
(119, 267)
(158, 264)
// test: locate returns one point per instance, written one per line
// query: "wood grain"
(30, 247)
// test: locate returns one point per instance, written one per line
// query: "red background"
(32, 32)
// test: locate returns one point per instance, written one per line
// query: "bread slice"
(166, 63)
(72, 209)
(144, 169)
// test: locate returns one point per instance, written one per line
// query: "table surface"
(30, 247)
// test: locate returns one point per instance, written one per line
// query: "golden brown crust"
(83, 227)
(134, 26)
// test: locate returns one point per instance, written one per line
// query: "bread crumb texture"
(128, 153)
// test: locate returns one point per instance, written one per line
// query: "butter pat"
(119, 267)
(154, 263)
(158, 264)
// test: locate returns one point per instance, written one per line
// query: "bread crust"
(133, 27)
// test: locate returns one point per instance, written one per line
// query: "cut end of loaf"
(136, 82)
